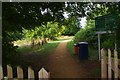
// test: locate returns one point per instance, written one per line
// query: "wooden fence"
(42, 74)
(110, 64)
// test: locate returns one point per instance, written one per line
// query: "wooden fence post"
(119, 68)
(19, 72)
(115, 64)
(43, 74)
(103, 64)
(30, 73)
(9, 72)
(1, 73)
(109, 65)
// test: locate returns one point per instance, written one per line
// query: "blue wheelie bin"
(83, 50)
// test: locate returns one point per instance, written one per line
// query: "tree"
(87, 34)
(72, 25)
(101, 9)
(16, 16)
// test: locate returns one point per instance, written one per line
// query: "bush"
(108, 41)
(86, 35)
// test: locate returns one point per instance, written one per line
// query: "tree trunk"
(45, 41)
(33, 43)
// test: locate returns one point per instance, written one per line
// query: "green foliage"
(28, 34)
(93, 53)
(50, 30)
(29, 15)
(108, 41)
(8, 50)
(86, 34)
(100, 9)
(71, 26)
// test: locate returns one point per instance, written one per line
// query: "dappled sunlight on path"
(62, 39)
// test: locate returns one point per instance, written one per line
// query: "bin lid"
(75, 44)
(82, 43)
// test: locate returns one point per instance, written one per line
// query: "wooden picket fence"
(110, 66)
(42, 74)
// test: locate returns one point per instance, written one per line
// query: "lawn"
(46, 49)
(42, 50)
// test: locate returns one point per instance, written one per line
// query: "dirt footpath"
(62, 65)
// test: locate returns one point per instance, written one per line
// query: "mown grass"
(43, 50)
(25, 49)
(46, 49)
(40, 49)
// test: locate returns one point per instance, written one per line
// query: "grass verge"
(70, 46)
(92, 52)
(93, 55)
